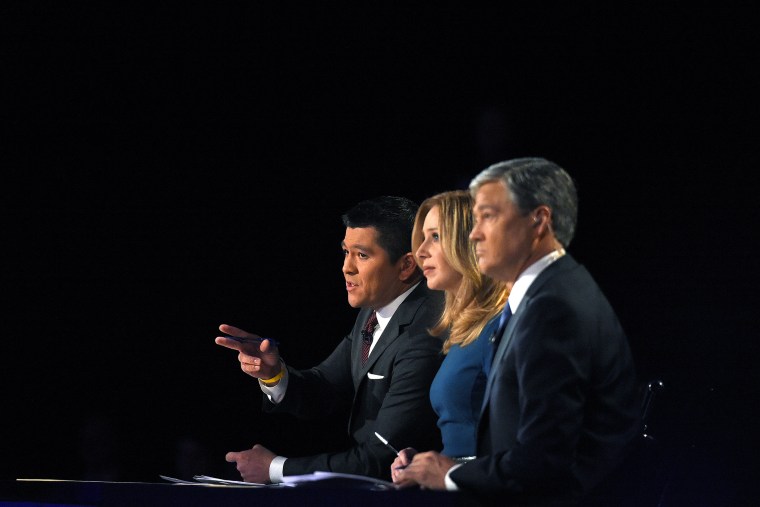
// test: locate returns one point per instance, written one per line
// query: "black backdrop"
(172, 166)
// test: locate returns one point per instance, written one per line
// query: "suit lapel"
(566, 262)
(500, 352)
(401, 318)
(388, 336)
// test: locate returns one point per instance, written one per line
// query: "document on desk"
(208, 480)
(373, 482)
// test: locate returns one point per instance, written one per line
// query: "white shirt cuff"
(276, 469)
(450, 484)
(276, 393)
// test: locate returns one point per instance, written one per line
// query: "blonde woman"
(473, 302)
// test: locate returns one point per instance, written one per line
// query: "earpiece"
(536, 221)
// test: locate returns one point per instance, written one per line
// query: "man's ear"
(408, 266)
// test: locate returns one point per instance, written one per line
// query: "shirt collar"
(527, 277)
(385, 313)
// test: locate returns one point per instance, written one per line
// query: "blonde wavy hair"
(479, 297)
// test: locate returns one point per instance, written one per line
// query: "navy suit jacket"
(561, 402)
(390, 394)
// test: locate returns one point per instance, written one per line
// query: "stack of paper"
(331, 478)
(348, 479)
(207, 480)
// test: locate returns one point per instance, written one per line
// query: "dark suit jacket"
(389, 395)
(560, 405)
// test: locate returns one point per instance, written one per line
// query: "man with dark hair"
(383, 367)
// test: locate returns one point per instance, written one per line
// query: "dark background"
(169, 167)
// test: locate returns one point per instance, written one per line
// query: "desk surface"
(117, 494)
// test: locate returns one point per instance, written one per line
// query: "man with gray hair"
(560, 407)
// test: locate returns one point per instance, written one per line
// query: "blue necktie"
(506, 313)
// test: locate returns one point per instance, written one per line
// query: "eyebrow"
(359, 246)
(481, 207)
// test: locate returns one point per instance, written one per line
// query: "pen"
(252, 340)
(389, 446)
(384, 441)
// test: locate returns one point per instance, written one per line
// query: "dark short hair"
(391, 216)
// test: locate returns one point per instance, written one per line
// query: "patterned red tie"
(367, 332)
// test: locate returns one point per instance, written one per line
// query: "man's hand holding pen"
(402, 460)
(426, 469)
(259, 357)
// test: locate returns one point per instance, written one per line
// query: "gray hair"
(533, 182)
